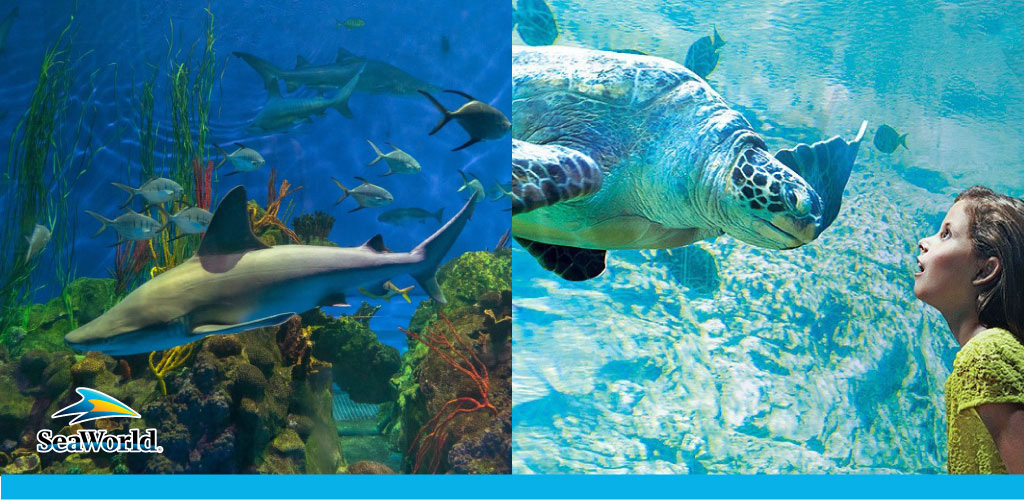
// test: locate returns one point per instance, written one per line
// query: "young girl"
(972, 271)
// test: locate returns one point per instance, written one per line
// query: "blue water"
(814, 360)
(460, 45)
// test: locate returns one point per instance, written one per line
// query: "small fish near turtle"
(480, 120)
(398, 161)
(534, 22)
(652, 158)
(888, 140)
(367, 195)
(242, 159)
(702, 56)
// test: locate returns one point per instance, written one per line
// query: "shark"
(379, 77)
(283, 112)
(235, 283)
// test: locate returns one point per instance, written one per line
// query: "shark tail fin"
(380, 155)
(266, 69)
(446, 115)
(343, 189)
(130, 190)
(341, 100)
(103, 220)
(434, 248)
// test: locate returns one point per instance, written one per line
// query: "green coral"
(362, 365)
(48, 323)
(464, 279)
(313, 227)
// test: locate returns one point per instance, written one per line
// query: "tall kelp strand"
(42, 167)
(191, 88)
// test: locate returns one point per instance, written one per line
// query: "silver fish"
(192, 220)
(155, 191)
(398, 161)
(366, 194)
(40, 237)
(243, 159)
(281, 113)
(130, 225)
(481, 121)
(236, 283)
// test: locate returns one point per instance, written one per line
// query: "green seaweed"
(42, 168)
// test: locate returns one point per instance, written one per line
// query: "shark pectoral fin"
(274, 320)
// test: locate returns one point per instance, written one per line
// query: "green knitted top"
(988, 369)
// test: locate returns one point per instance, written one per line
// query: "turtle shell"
(613, 78)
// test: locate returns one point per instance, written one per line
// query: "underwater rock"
(369, 467)
(262, 359)
(313, 228)
(24, 461)
(48, 323)
(249, 382)
(32, 364)
(223, 345)
(362, 365)
(427, 382)
(84, 372)
(289, 444)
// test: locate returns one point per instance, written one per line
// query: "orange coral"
(274, 197)
(459, 354)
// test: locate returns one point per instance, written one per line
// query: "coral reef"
(362, 364)
(368, 467)
(463, 364)
(313, 228)
(47, 324)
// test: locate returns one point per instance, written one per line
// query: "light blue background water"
(816, 360)
(124, 41)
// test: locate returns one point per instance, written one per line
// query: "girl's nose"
(922, 246)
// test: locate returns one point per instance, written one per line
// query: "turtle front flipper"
(826, 166)
(571, 263)
(545, 175)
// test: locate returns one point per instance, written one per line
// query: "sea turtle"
(618, 151)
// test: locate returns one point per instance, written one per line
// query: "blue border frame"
(525, 486)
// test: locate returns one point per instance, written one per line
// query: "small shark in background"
(235, 283)
(5, 28)
(378, 77)
(281, 113)
(480, 120)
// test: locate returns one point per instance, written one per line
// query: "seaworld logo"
(95, 405)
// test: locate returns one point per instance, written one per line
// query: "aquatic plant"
(314, 226)
(269, 218)
(45, 159)
(169, 360)
(130, 259)
(459, 354)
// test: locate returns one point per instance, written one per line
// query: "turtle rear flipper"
(825, 165)
(571, 263)
(545, 175)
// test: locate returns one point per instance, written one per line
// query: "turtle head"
(768, 205)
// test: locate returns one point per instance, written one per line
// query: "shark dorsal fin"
(229, 230)
(377, 244)
(344, 55)
(301, 62)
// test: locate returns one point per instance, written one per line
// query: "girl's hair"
(997, 230)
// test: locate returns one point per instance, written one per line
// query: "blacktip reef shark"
(236, 283)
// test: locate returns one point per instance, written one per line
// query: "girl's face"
(948, 265)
